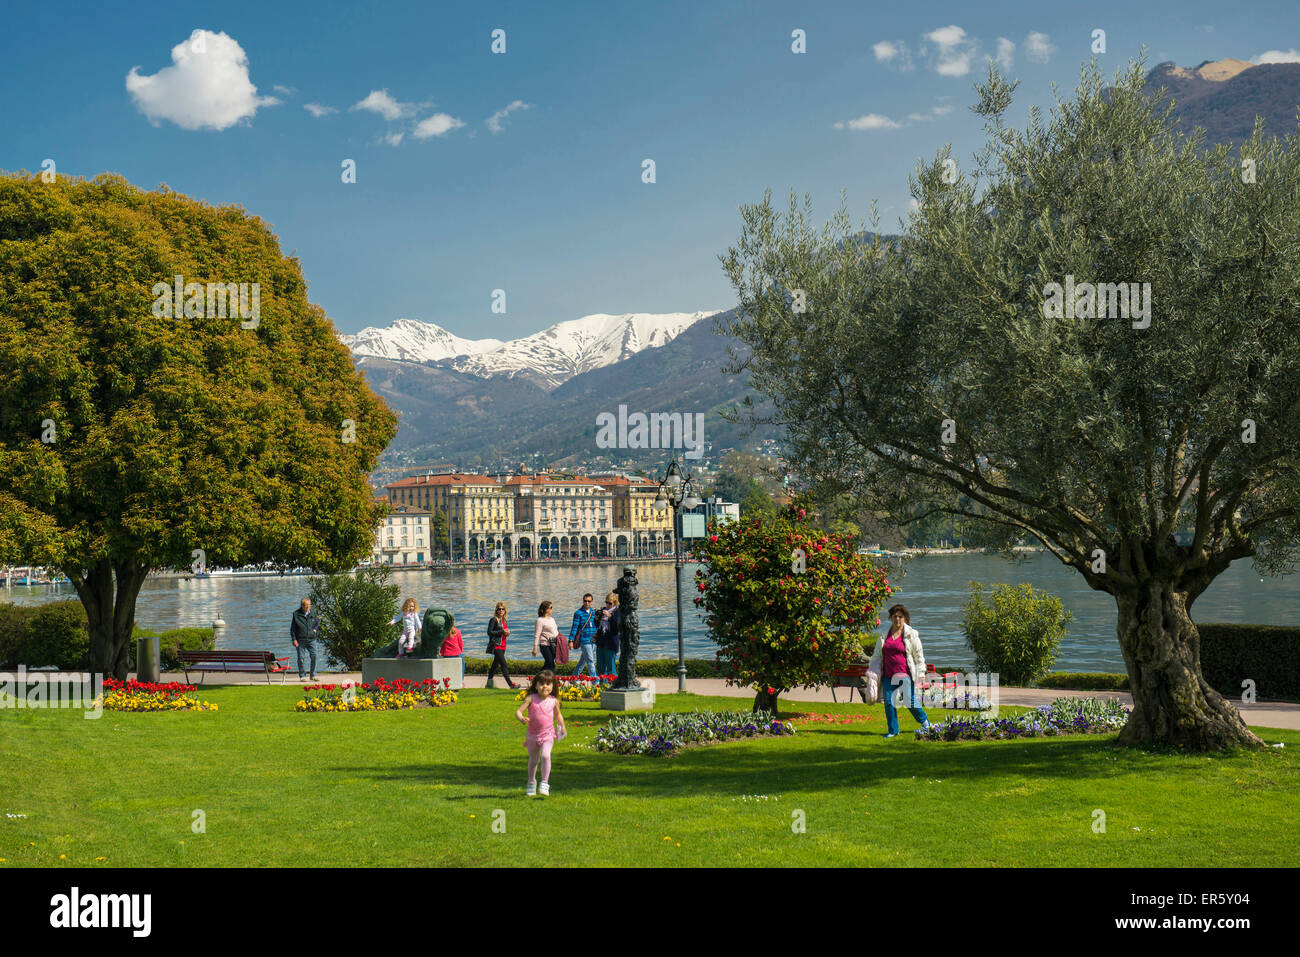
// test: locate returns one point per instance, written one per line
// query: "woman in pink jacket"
(453, 646)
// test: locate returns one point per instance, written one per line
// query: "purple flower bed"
(1062, 716)
(662, 734)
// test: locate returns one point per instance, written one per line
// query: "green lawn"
(420, 788)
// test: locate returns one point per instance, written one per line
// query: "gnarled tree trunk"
(1172, 703)
(110, 618)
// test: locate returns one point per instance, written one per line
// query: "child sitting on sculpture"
(410, 619)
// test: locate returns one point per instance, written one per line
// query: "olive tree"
(988, 363)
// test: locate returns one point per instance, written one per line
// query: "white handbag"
(873, 681)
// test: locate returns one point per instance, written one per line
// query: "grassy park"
(420, 787)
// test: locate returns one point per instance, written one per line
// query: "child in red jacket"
(453, 646)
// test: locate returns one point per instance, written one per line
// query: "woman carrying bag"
(900, 662)
(546, 636)
(498, 631)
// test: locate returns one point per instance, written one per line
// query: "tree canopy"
(133, 435)
(942, 373)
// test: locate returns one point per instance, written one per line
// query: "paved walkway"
(1264, 714)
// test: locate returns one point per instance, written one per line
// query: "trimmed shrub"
(1269, 655)
(13, 619)
(1018, 634)
(55, 634)
(1084, 681)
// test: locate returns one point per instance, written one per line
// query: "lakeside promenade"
(1260, 714)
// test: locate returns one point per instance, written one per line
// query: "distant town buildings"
(527, 515)
(403, 538)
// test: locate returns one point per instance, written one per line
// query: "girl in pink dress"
(541, 712)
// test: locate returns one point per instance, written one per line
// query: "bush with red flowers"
(781, 620)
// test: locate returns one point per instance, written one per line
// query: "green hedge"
(1267, 654)
(645, 667)
(1084, 681)
(55, 633)
(39, 635)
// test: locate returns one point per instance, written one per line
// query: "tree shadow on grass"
(766, 765)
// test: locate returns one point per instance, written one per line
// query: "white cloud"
(885, 50)
(1006, 55)
(316, 110)
(894, 54)
(1208, 28)
(956, 50)
(206, 87)
(378, 101)
(393, 139)
(876, 121)
(1039, 47)
(436, 125)
(285, 90)
(872, 121)
(1278, 56)
(494, 121)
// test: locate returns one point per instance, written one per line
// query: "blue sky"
(550, 206)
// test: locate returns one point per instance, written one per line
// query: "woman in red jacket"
(498, 631)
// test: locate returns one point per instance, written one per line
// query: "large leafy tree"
(1148, 456)
(129, 441)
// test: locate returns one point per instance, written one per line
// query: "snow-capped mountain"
(414, 341)
(549, 358)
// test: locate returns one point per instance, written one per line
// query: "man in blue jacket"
(585, 621)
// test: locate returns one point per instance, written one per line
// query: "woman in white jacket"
(901, 663)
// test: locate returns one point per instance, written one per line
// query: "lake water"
(934, 588)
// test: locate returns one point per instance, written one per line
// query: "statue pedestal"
(642, 699)
(413, 669)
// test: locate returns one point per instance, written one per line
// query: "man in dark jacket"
(304, 628)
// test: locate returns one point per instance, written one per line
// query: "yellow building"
(479, 511)
(649, 530)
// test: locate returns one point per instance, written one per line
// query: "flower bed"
(1062, 716)
(378, 695)
(662, 734)
(578, 687)
(145, 696)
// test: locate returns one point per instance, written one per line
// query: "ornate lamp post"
(675, 492)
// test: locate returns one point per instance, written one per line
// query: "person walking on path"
(607, 636)
(546, 634)
(498, 631)
(541, 712)
(582, 635)
(453, 646)
(304, 629)
(902, 666)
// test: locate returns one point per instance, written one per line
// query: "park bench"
(227, 661)
(854, 677)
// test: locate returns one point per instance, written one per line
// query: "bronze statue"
(629, 633)
(434, 629)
